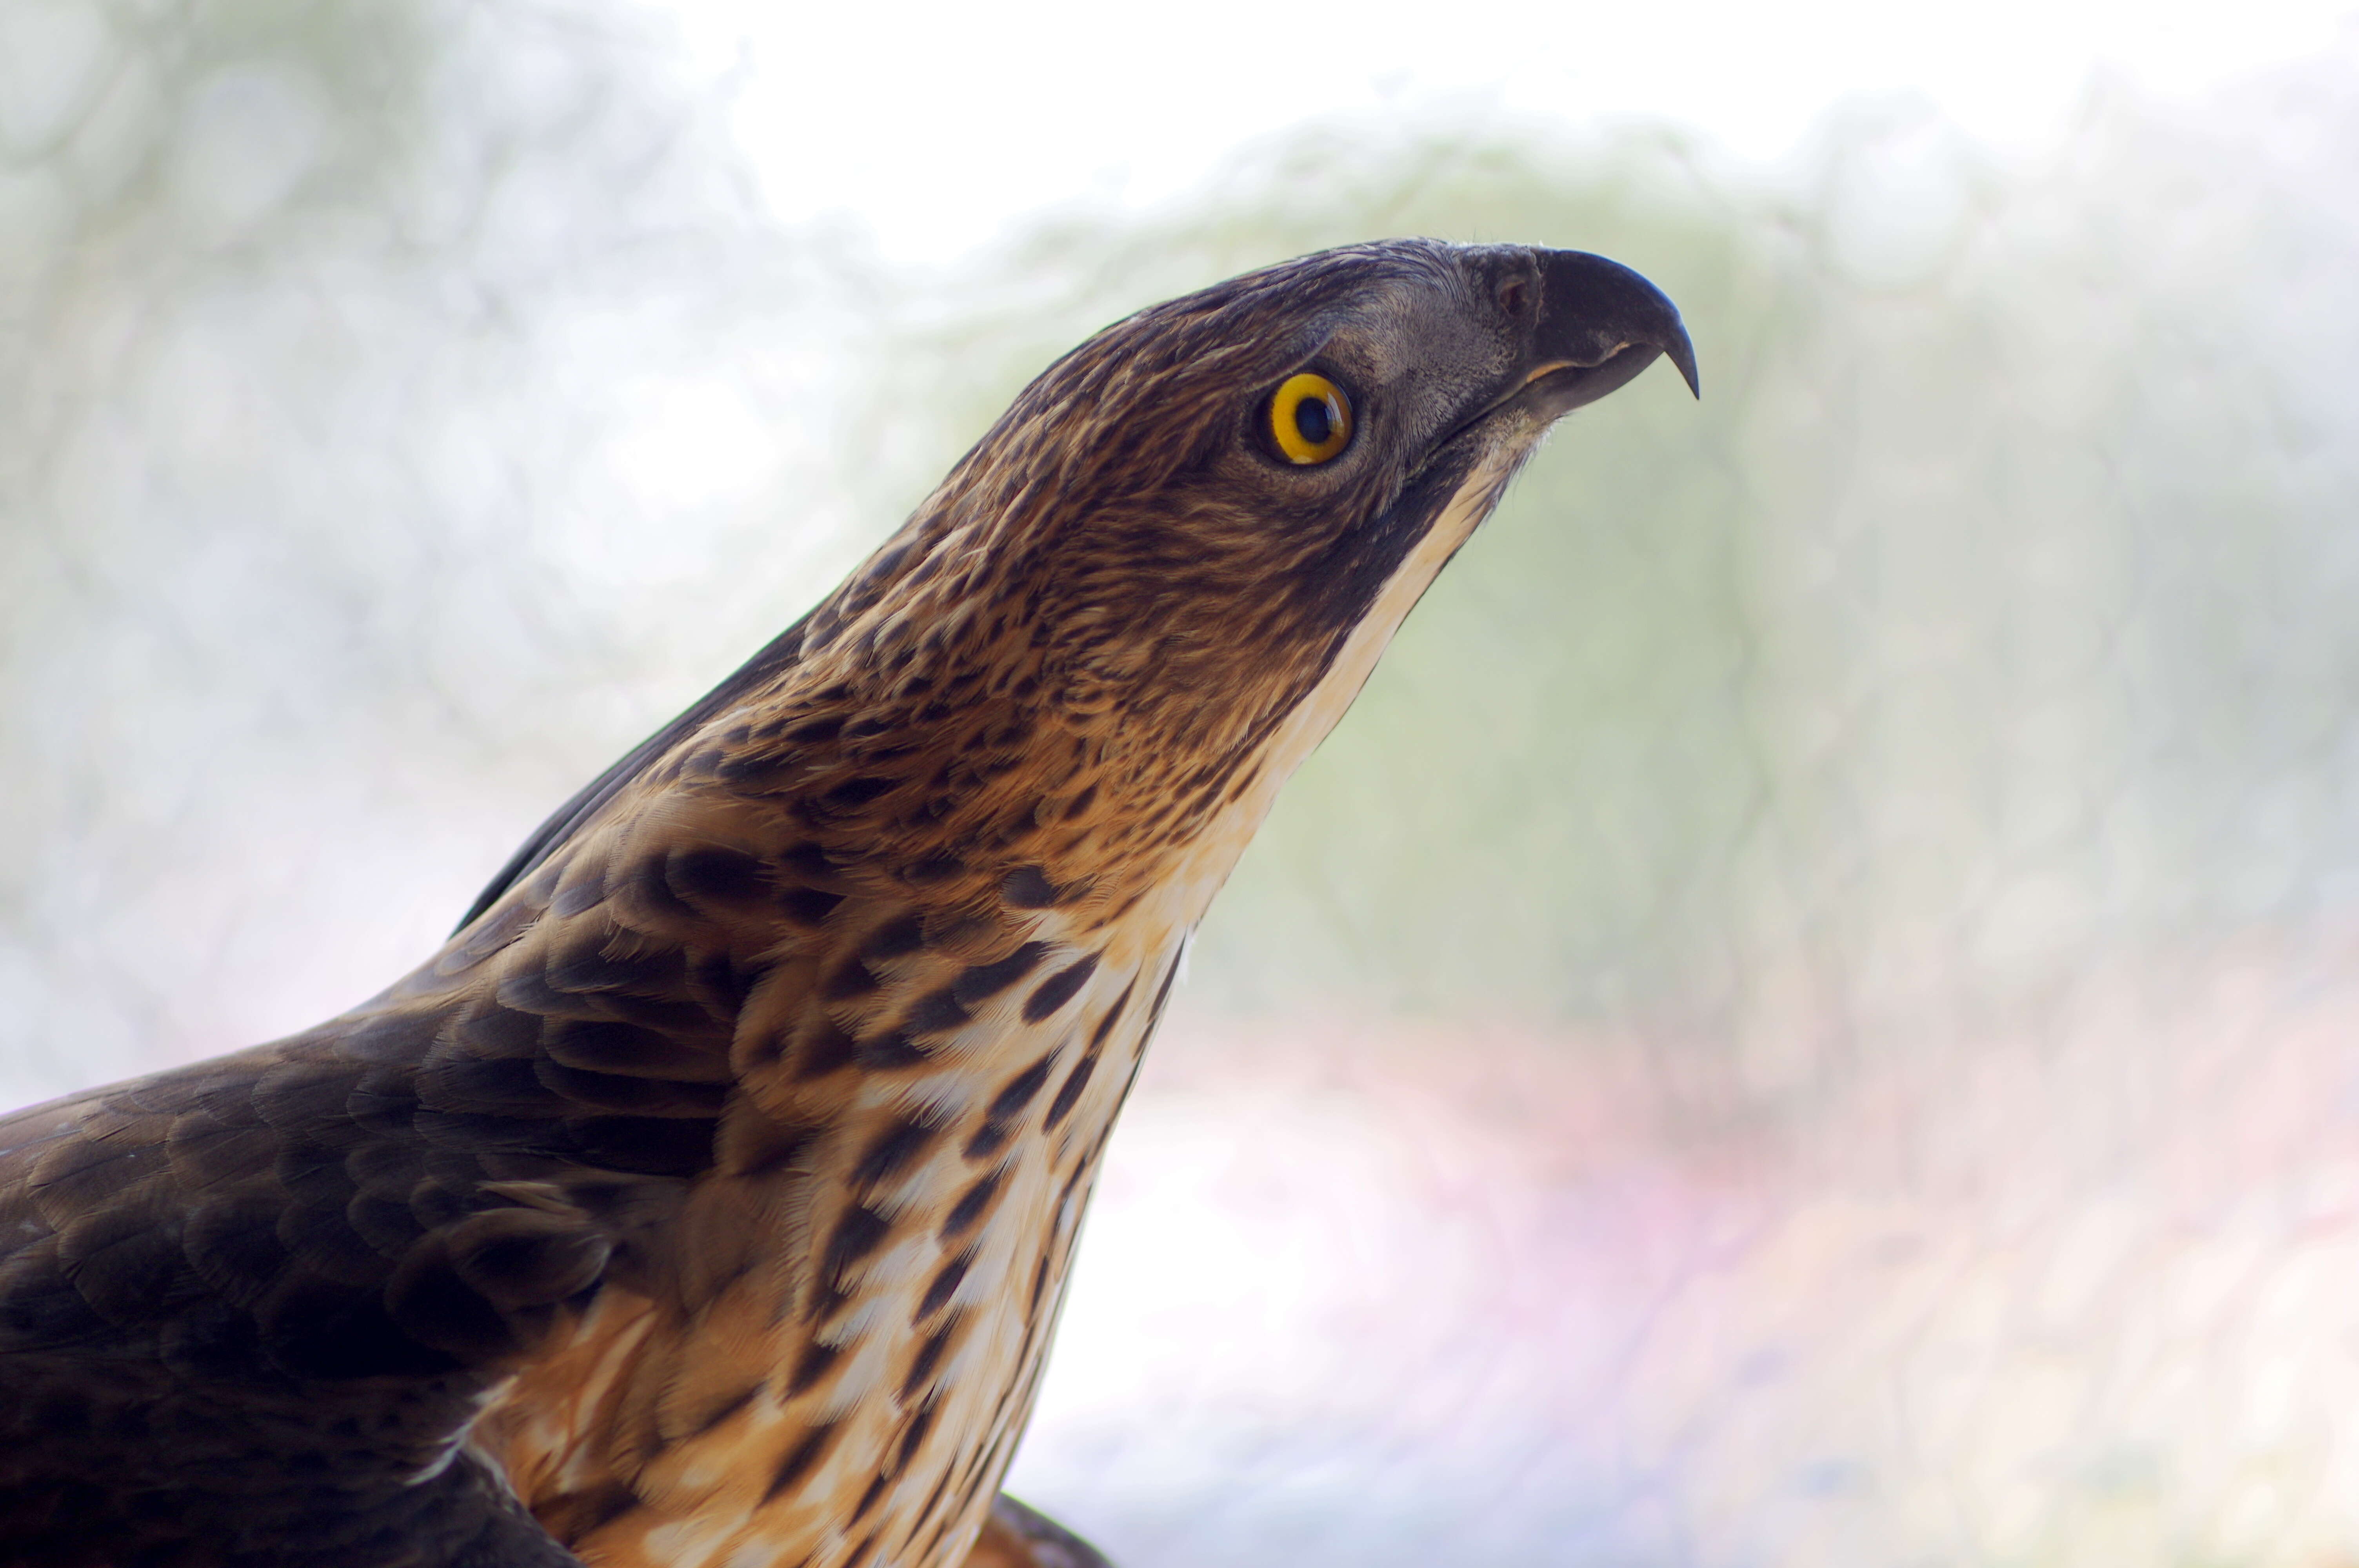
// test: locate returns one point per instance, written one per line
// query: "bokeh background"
(1810, 1016)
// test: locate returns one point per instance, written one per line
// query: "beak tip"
(1681, 352)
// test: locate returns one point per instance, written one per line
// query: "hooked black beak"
(1598, 325)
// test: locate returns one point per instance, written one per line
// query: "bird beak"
(1598, 325)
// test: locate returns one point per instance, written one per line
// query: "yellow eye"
(1311, 419)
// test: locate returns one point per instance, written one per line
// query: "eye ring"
(1309, 419)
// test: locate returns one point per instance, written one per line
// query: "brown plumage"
(707, 1199)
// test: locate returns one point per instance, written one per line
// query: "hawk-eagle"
(706, 1201)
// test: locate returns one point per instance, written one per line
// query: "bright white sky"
(934, 124)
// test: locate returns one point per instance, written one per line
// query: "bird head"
(1157, 581)
(1190, 528)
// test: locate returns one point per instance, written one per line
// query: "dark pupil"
(1310, 418)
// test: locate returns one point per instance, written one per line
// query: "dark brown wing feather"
(252, 1301)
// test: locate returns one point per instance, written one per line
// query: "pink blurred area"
(2073, 1290)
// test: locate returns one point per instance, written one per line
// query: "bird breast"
(830, 1352)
